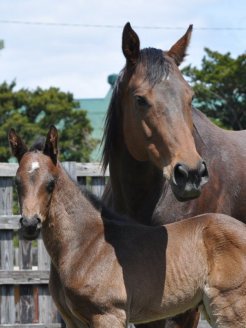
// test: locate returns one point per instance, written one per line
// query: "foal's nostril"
(30, 223)
(181, 174)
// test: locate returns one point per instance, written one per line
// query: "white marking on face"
(34, 166)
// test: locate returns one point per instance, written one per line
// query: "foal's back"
(169, 269)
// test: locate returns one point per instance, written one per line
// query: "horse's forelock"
(156, 66)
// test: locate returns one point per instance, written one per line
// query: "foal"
(107, 271)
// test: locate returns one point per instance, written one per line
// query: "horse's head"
(157, 113)
(35, 181)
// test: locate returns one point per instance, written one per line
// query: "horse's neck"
(70, 218)
(205, 133)
(139, 188)
(136, 185)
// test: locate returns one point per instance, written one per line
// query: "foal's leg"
(108, 321)
(227, 308)
(188, 319)
(55, 287)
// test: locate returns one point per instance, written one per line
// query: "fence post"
(98, 186)
(7, 311)
(70, 167)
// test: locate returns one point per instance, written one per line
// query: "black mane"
(156, 67)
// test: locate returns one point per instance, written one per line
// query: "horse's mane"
(156, 67)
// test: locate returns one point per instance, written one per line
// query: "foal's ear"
(51, 144)
(130, 44)
(178, 50)
(17, 145)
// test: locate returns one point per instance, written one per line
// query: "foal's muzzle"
(187, 183)
(30, 227)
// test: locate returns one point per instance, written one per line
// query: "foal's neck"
(70, 220)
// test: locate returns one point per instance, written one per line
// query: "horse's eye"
(50, 186)
(142, 102)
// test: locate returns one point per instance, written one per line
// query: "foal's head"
(35, 180)
(155, 104)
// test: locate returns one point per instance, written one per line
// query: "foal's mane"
(156, 67)
(38, 144)
(104, 210)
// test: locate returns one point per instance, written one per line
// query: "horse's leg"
(188, 319)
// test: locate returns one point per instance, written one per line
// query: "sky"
(74, 45)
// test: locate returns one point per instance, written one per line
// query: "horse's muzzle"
(30, 227)
(187, 183)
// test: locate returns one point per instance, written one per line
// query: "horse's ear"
(17, 145)
(51, 144)
(130, 44)
(178, 50)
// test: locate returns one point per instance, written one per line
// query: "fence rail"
(25, 301)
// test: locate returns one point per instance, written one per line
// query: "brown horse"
(151, 129)
(107, 270)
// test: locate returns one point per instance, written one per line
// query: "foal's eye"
(142, 102)
(50, 186)
(17, 182)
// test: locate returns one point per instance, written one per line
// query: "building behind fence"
(25, 301)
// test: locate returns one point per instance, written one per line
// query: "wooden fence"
(24, 296)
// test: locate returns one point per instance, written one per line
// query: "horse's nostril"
(203, 172)
(181, 174)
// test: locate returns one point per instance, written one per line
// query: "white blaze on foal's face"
(34, 166)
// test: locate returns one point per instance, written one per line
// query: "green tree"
(220, 88)
(31, 113)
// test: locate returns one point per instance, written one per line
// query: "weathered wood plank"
(26, 304)
(90, 170)
(25, 254)
(7, 306)
(31, 325)
(71, 169)
(83, 169)
(8, 169)
(24, 277)
(6, 196)
(9, 222)
(45, 303)
(97, 186)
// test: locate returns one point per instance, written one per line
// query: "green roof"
(96, 111)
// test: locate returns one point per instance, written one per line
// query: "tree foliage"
(220, 88)
(31, 113)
